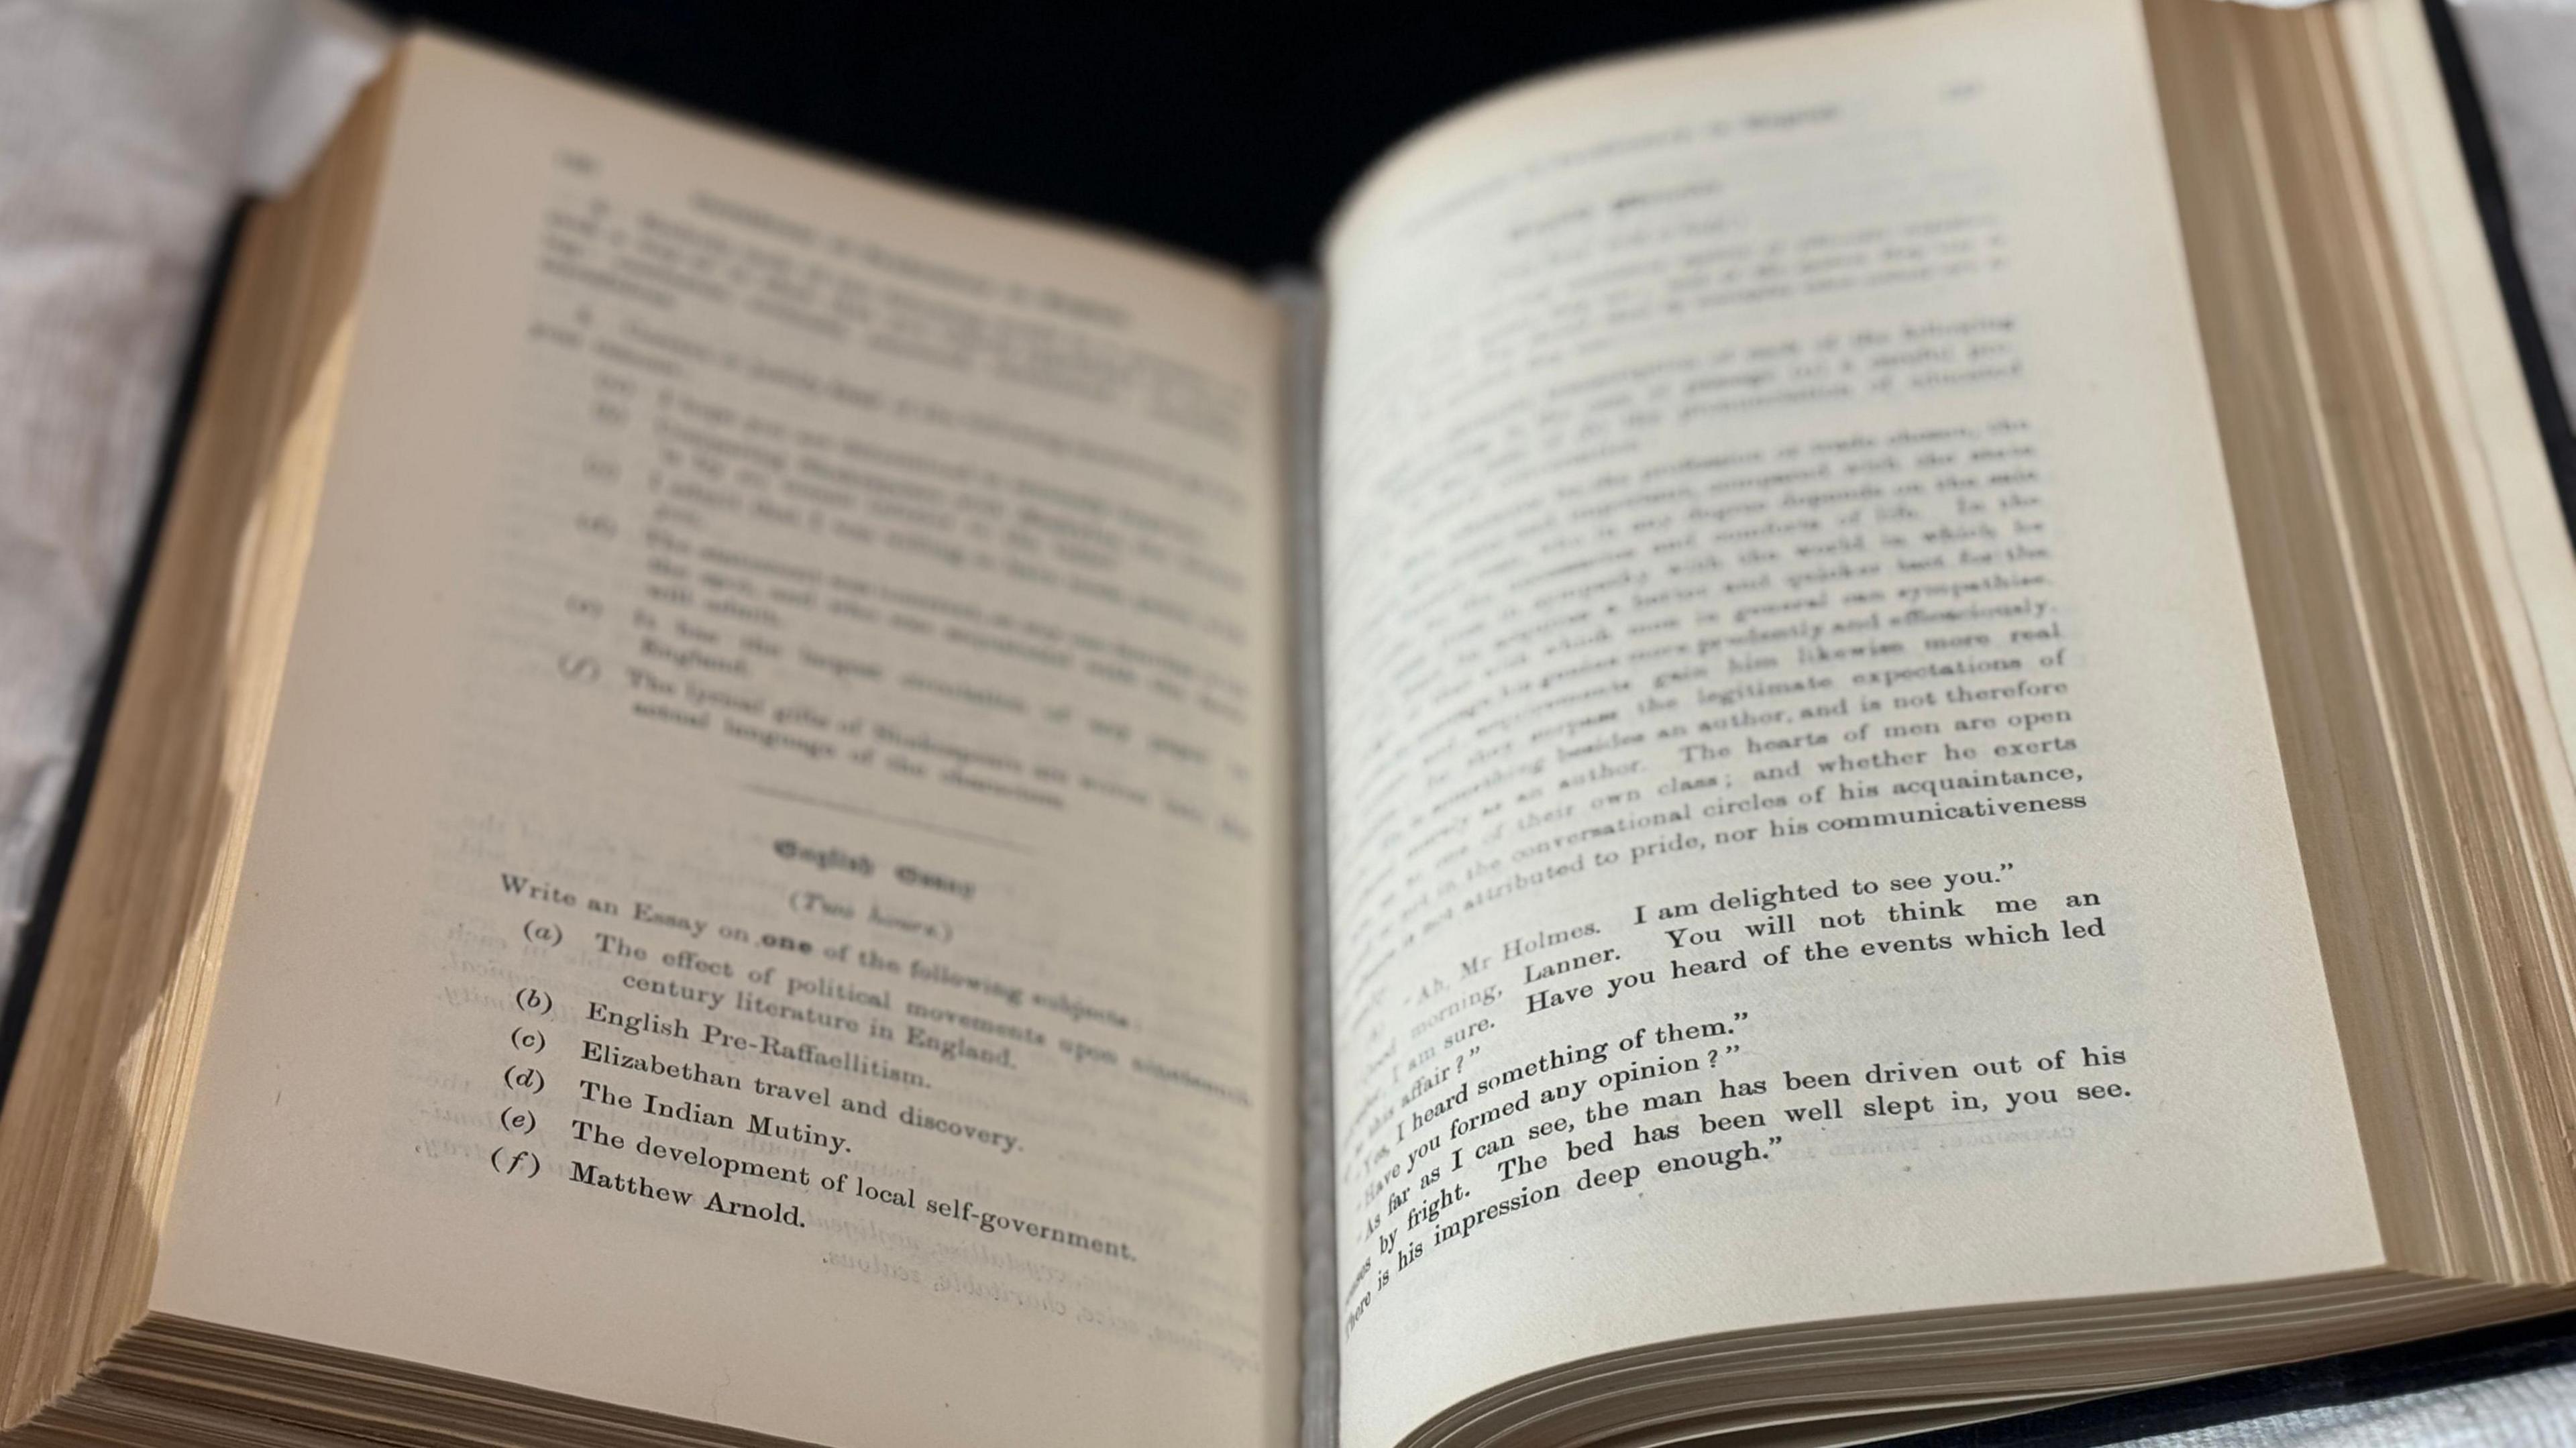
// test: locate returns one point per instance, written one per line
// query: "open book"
(1881, 734)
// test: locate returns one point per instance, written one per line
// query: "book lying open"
(1853, 729)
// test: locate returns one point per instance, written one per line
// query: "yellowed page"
(2451, 286)
(768, 902)
(1807, 834)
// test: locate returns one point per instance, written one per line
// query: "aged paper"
(1808, 840)
(770, 899)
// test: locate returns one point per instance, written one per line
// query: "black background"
(1224, 128)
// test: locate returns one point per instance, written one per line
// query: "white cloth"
(2533, 1409)
(127, 128)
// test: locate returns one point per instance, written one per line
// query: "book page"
(770, 899)
(1807, 834)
